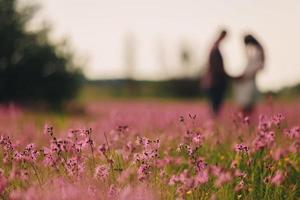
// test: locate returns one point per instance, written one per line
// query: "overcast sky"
(97, 29)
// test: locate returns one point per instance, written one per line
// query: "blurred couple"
(215, 81)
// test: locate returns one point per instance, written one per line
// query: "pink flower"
(6, 143)
(112, 192)
(125, 175)
(102, 148)
(186, 181)
(3, 181)
(128, 150)
(16, 195)
(200, 165)
(277, 119)
(48, 130)
(239, 186)
(294, 132)
(294, 147)
(223, 178)
(278, 178)
(194, 138)
(215, 170)
(18, 174)
(174, 180)
(279, 153)
(101, 172)
(264, 123)
(201, 177)
(263, 140)
(241, 148)
(197, 139)
(143, 172)
(137, 193)
(75, 166)
(238, 173)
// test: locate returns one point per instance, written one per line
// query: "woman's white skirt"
(245, 92)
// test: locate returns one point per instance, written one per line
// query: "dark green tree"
(32, 68)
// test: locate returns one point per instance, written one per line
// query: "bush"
(32, 69)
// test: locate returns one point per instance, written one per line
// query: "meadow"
(144, 149)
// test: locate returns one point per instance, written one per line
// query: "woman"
(245, 88)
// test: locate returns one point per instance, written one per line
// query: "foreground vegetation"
(151, 150)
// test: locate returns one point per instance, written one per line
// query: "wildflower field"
(151, 150)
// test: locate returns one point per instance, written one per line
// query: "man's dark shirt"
(216, 68)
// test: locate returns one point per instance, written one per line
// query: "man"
(215, 79)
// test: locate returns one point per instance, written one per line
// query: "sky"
(97, 30)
